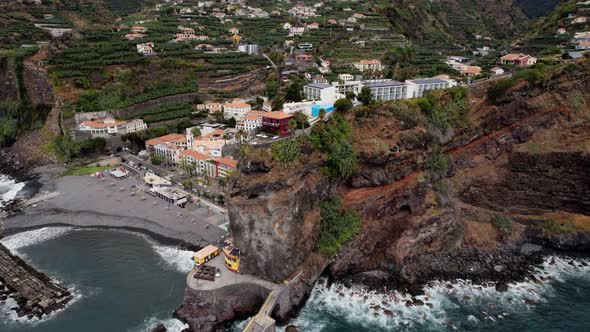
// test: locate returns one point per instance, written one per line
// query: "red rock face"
(493, 173)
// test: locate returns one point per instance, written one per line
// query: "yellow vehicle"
(232, 258)
(206, 254)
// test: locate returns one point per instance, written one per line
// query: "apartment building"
(320, 91)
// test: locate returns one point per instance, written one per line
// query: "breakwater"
(35, 294)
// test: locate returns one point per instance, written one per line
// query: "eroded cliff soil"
(526, 157)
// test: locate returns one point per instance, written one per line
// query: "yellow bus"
(206, 254)
(232, 258)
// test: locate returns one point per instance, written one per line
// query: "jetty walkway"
(35, 294)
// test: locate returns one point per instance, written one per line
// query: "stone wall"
(207, 310)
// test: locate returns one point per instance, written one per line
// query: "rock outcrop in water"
(35, 294)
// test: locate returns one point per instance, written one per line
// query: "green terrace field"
(164, 113)
(337, 45)
(16, 29)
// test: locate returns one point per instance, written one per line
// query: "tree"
(302, 121)
(285, 152)
(350, 95)
(322, 114)
(156, 159)
(277, 104)
(337, 225)
(241, 135)
(342, 161)
(292, 125)
(343, 104)
(196, 131)
(365, 97)
(294, 93)
(231, 122)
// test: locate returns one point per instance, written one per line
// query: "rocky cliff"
(524, 157)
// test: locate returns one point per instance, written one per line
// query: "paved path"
(227, 278)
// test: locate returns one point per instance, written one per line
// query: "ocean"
(125, 281)
(122, 281)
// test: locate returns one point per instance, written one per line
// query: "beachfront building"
(171, 195)
(110, 127)
(320, 91)
(276, 122)
(369, 65)
(168, 146)
(212, 167)
(518, 59)
(224, 167)
(236, 109)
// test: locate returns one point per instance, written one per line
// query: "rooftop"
(227, 161)
(194, 154)
(277, 115)
(319, 85)
(428, 80)
(382, 84)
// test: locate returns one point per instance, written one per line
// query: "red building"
(273, 122)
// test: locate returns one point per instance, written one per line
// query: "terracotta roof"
(227, 161)
(196, 155)
(369, 62)
(102, 123)
(277, 115)
(177, 138)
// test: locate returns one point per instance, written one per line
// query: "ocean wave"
(444, 305)
(29, 238)
(179, 259)
(171, 324)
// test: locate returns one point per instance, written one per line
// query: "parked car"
(217, 273)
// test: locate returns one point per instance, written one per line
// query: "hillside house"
(276, 122)
(369, 65)
(518, 59)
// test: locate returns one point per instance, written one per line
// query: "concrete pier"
(35, 294)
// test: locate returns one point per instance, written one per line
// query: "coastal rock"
(291, 328)
(159, 328)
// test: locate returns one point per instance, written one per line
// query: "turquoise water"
(122, 281)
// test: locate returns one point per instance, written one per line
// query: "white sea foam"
(29, 238)
(359, 306)
(9, 188)
(9, 317)
(175, 257)
(171, 324)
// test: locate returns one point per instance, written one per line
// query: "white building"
(248, 48)
(417, 87)
(146, 48)
(387, 90)
(110, 127)
(345, 77)
(236, 109)
(320, 91)
(366, 65)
